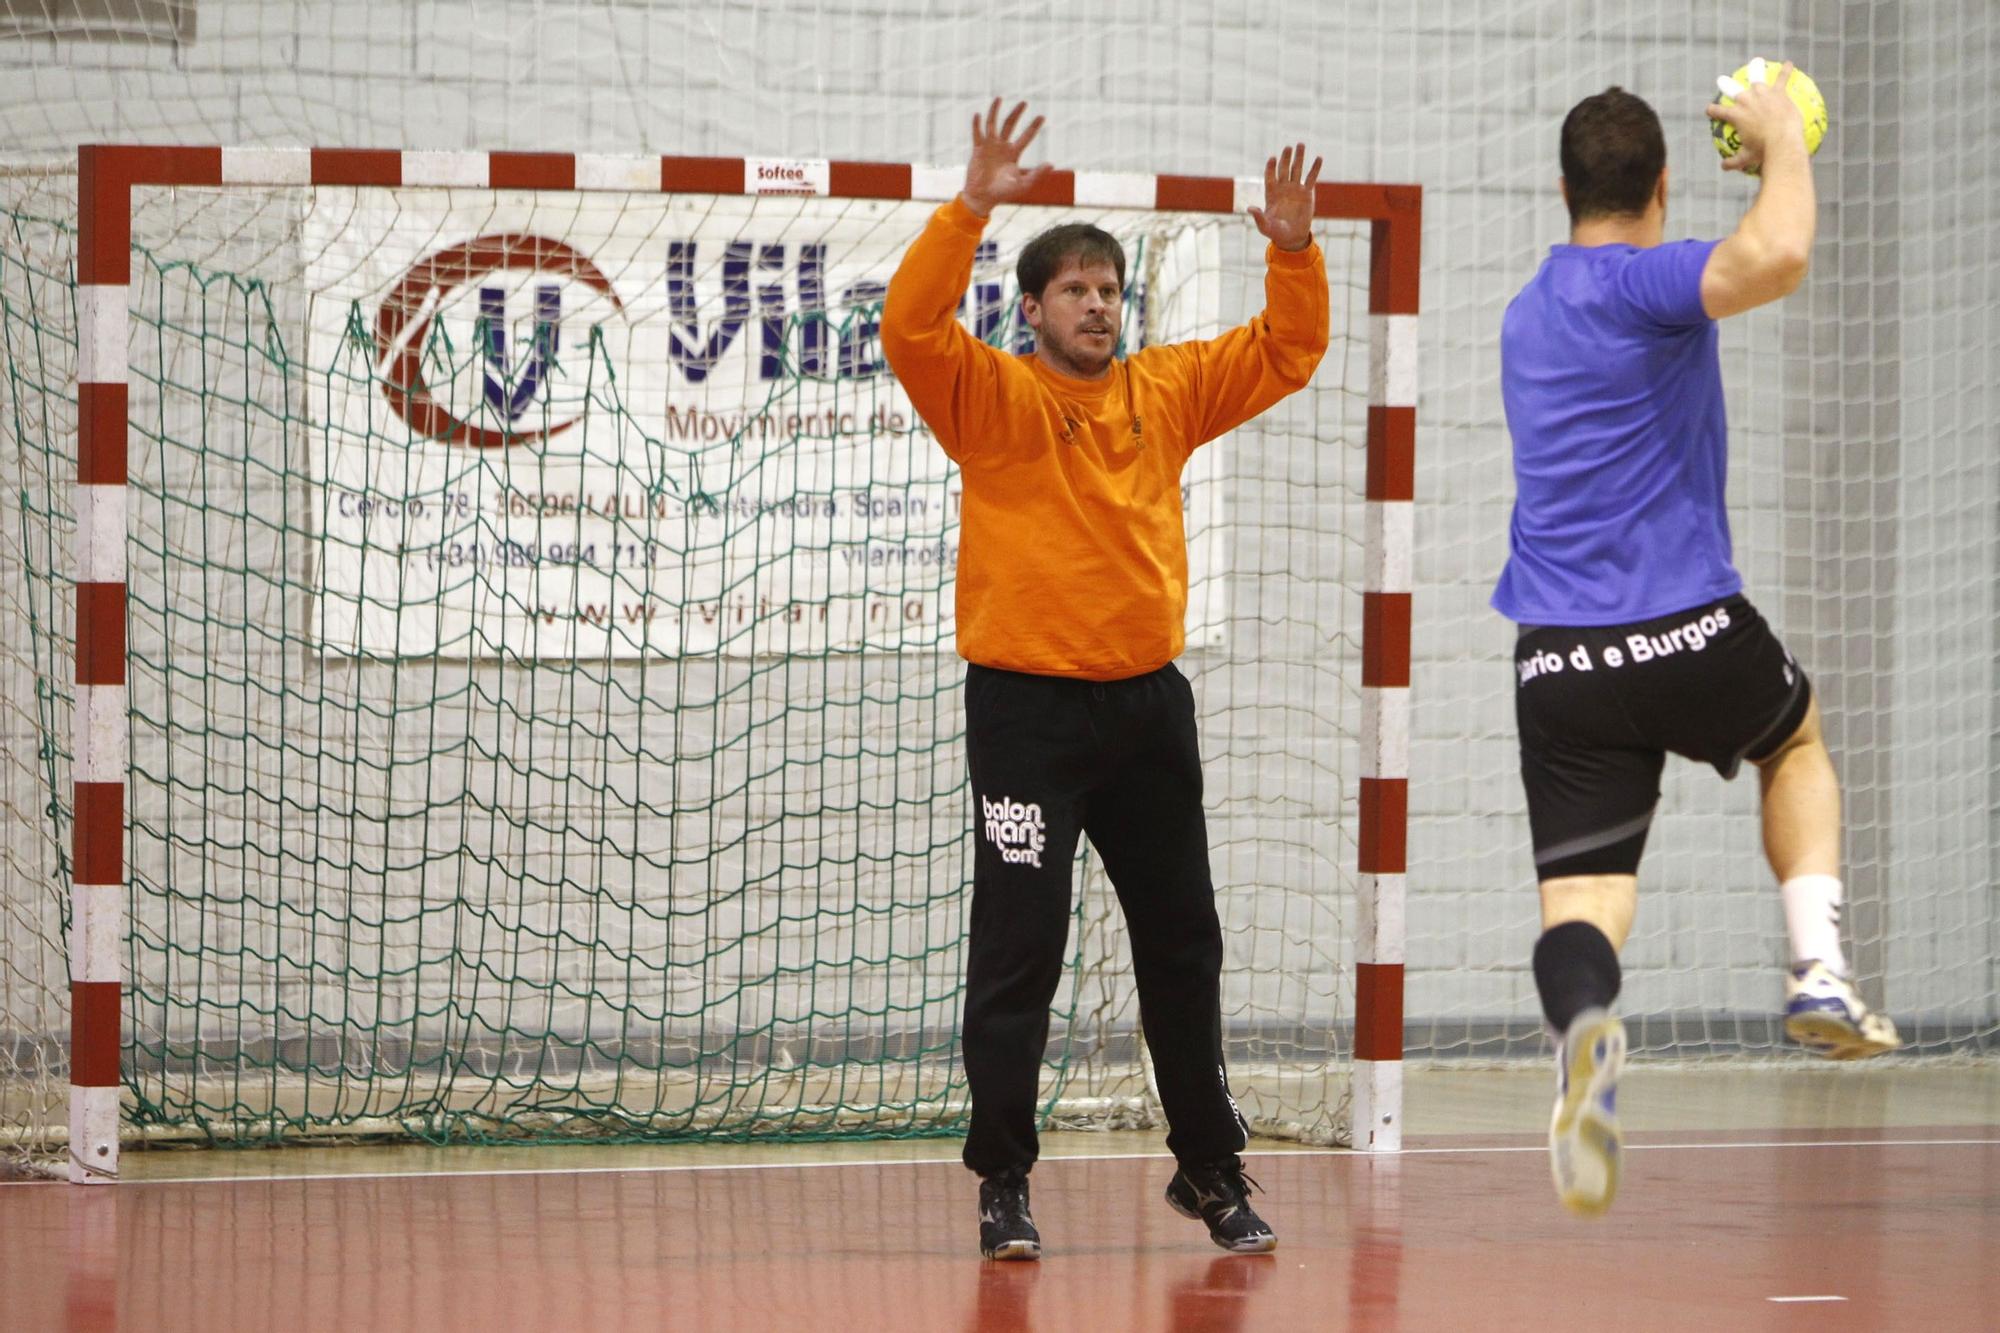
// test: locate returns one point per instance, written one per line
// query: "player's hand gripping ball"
(1804, 93)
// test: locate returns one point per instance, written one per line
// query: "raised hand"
(1287, 215)
(1763, 114)
(995, 174)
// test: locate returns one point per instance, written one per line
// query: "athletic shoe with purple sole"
(1583, 1130)
(1824, 1015)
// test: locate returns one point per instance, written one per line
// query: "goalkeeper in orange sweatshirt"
(1072, 592)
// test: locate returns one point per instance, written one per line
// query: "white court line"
(1798, 1300)
(1705, 1147)
(953, 1160)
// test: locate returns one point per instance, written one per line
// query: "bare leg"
(1801, 804)
(1608, 902)
(1802, 842)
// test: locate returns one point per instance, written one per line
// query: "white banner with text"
(580, 426)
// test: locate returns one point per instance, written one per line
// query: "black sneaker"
(1005, 1229)
(1219, 1194)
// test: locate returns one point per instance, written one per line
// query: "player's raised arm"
(994, 174)
(1287, 215)
(1765, 258)
(951, 376)
(1250, 368)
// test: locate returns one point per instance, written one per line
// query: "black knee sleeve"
(1575, 969)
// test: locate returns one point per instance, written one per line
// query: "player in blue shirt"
(1635, 639)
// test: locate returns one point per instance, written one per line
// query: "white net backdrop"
(1865, 486)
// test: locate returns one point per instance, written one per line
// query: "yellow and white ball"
(1805, 96)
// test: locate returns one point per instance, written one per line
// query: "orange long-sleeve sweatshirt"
(1072, 557)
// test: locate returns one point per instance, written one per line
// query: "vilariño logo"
(402, 326)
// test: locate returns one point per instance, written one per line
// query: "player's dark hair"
(1613, 152)
(1043, 258)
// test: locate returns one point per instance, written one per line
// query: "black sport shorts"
(1600, 707)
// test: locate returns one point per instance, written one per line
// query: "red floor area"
(1907, 1234)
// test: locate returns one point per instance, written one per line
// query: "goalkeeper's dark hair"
(1613, 152)
(1043, 258)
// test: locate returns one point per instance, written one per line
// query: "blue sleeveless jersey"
(1613, 391)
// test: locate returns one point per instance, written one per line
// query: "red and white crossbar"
(106, 177)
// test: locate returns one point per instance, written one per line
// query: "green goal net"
(544, 715)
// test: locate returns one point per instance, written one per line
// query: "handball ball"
(1805, 96)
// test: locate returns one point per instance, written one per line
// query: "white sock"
(1812, 918)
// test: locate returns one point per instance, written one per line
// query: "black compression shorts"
(1599, 709)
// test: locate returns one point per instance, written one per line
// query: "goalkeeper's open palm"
(995, 174)
(1287, 215)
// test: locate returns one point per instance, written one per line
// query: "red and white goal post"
(1377, 255)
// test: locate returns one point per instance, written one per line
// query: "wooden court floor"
(1824, 1198)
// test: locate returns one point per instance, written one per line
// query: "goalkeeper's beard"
(1079, 356)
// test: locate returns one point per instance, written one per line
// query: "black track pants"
(1118, 760)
